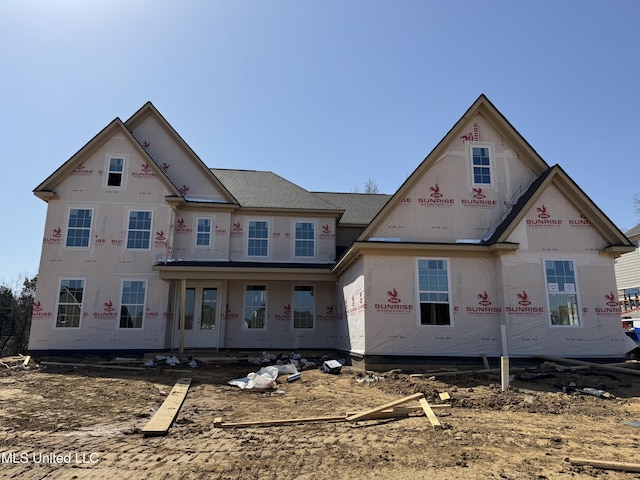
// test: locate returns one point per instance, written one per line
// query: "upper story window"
(203, 233)
(79, 227)
(305, 239)
(258, 245)
(139, 231)
(70, 303)
(255, 306)
(562, 292)
(481, 165)
(433, 286)
(304, 310)
(132, 303)
(116, 171)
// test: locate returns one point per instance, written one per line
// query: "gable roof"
(482, 106)
(580, 200)
(359, 208)
(45, 189)
(266, 190)
(148, 109)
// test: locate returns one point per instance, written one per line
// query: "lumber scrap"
(572, 368)
(382, 414)
(284, 421)
(367, 413)
(485, 362)
(166, 414)
(114, 367)
(27, 359)
(435, 423)
(401, 411)
(623, 466)
(601, 366)
(456, 372)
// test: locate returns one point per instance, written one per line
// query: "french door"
(200, 320)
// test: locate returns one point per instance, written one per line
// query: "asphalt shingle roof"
(261, 189)
(634, 232)
(359, 208)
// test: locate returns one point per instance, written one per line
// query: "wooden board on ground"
(163, 418)
(601, 366)
(284, 421)
(112, 367)
(367, 413)
(623, 466)
(381, 414)
(429, 413)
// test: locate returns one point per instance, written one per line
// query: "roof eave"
(616, 250)
(46, 195)
(292, 211)
(360, 248)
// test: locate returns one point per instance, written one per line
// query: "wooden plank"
(624, 466)
(504, 373)
(485, 362)
(163, 418)
(429, 413)
(363, 415)
(401, 411)
(601, 366)
(386, 413)
(446, 373)
(27, 359)
(114, 367)
(443, 396)
(284, 421)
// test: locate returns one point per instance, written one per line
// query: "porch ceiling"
(203, 270)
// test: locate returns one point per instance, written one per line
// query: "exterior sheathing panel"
(185, 231)
(445, 206)
(282, 238)
(392, 309)
(278, 332)
(106, 262)
(351, 309)
(555, 230)
(178, 165)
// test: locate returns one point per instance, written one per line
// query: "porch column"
(183, 306)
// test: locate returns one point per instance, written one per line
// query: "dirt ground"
(62, 422)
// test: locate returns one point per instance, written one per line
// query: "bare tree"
(369, 187)
(15, 317)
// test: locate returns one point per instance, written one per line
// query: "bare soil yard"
(61, 422)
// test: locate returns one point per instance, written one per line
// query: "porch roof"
(252, 271)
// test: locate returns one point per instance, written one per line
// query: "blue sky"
(326, 93)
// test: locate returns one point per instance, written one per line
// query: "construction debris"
(16, 362)
(331, 366)
(383, 411)
(263, 378)
(622, 466)
(601, 366)
(168, 411)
